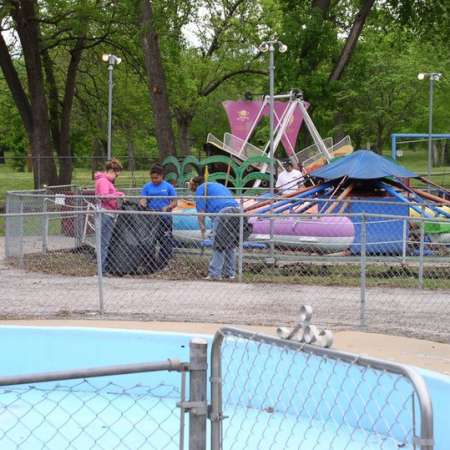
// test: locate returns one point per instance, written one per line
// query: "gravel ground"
(408, 312)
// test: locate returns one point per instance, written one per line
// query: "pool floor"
(85, 420)
(59, 419)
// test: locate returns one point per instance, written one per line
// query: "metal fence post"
(20, 233)
(44, 226)
(79, 218)
(241, 239)
(404, 243)
(9, 225)
(98, 252)
(363, 268)
(198, 394)
(38, 171)
(216, 415)
(421, 252)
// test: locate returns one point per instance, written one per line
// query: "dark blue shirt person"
(218, 198)
(214, 198)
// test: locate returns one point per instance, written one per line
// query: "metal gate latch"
(196, 408)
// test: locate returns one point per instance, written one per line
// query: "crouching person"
(215, 198)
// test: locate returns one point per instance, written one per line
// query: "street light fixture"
(112, 61)
(269, 46)
(432, 76)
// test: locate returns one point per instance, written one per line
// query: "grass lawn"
(82, 263)
(417, 161)
(11, 180)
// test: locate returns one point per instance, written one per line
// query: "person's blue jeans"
(165, 239)
(107, 229)
(223, 262)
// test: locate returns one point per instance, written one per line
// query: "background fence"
(377, 271)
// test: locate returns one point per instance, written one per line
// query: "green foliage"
(12, 134)
(204, 41)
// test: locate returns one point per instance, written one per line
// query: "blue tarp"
(362, 165)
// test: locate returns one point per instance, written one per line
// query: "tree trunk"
(380, 139)
(339, 119)
(60, 120)
(436, 153)
(156, 83)
(65, 154)
(352, 40)
(184, 122)
(15, 86)
(44, 167)
(322, 6)
(446, 153)
(53, 99)
(130, 153)
(98, 155)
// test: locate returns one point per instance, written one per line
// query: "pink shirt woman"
(104, 185)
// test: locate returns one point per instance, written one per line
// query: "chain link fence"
(269, 393)
(133, 406)
(265, 393)
(385, 270)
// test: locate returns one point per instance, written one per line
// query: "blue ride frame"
(395, 136)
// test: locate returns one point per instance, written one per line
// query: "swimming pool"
(140, 410)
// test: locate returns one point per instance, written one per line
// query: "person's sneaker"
(211, 278)
(231, 278)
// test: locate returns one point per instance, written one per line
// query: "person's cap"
(287, 163)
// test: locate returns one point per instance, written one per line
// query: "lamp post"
(432, 76)
(269, 46)
(111, 60)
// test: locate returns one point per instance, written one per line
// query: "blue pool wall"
(39, 349)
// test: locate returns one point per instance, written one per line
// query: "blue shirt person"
(165, 202)
(218, 198)
(215, 198)
(157, 187)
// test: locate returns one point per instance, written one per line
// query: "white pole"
(430, 128)
(110, 89)
(271, 114)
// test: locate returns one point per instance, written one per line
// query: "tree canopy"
(355, 60)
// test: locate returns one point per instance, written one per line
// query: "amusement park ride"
(288, 118)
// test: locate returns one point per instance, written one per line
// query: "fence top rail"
(171, 365)
(302, 216)
(416, 380)
(191, 196)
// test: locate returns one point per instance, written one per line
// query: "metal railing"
(272, 393)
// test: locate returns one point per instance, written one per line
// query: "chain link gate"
(277, 394)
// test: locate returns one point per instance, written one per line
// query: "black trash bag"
(132, 249)
(227, 232)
